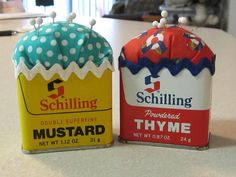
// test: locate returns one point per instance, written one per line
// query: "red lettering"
(52, 106)
(44, 105)
(71, 103)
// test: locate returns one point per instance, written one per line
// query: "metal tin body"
(166, 110)
(60, 115)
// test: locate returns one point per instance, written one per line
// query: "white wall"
(232, 17)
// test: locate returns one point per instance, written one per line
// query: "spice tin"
(65, 101)
(166, 82)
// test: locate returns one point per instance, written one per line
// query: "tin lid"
(172, 47)
(58, 47)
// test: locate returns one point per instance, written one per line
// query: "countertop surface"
(125, 159)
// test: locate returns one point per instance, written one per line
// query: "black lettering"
(79, 131)
(148, 99)
(140, 98)
(70, 129)
(53, 135)
(100, 129)
(155, 99)
(188, 102)
(61, 132)
(39, 134)
(89, 129)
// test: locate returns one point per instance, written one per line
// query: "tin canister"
(166, 101)
(64, 79)
(169, 110)
(63, 115)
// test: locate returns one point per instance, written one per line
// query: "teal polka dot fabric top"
(62, 43)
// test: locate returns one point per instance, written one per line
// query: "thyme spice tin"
(166, 82)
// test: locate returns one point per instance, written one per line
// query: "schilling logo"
(153, 95)
(59, 90)
(155, 83)
(56, 99)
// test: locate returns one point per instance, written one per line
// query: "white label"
(183, 91)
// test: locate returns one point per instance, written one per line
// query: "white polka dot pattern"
(60, 57)
(22, 58)
(87, 35)
(25, 38)
(30, 48)
(64, 29)
(57, 34)
(90, 46)
(43, 39)
(94, 35)
(34, 38)
(80, 29)
(47, 64)
(49, 53)
(80, 42)
(72, 51)
(72, 35)
(106, 44)
(98, 45)
(21, 48)
(91, 57)
(101, 55)
(49, 30)
(64, 42)
(65, 58)
(53, 42)
(61, 43)
(81, 60)
(39, 50)
(71, 24)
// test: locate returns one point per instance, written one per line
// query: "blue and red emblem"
(155, 83)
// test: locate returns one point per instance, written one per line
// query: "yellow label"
(65, 114)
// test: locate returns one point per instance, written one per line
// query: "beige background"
(125, 159)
